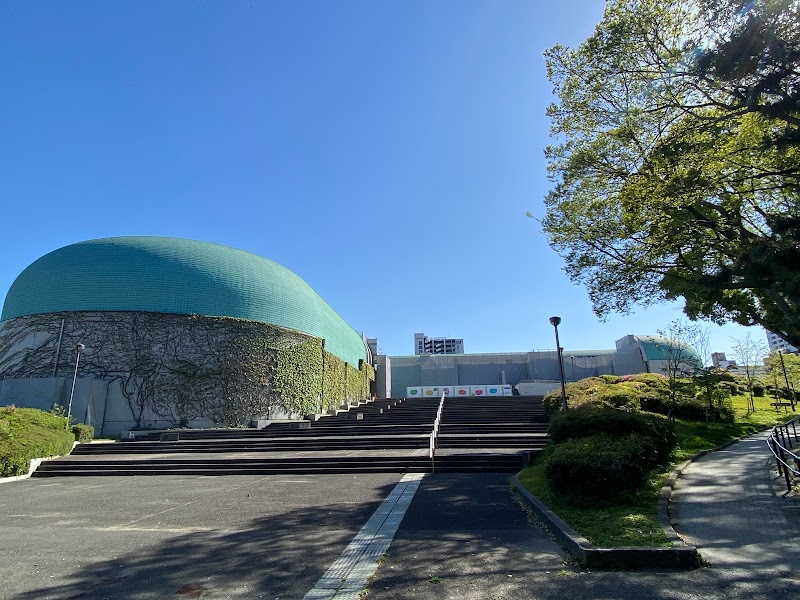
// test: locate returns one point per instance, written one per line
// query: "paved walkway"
(733, 507)
(464, 538)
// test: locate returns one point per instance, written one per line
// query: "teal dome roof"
(658, 347)
(168, 275)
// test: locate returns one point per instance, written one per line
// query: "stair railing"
(433, 442)
(781, 443)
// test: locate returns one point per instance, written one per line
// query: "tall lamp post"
(789, 388)
(555, 322)
(79, 348)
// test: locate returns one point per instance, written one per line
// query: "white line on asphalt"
(349, 574)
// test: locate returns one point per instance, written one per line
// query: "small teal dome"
(658, 347)
(168, 275)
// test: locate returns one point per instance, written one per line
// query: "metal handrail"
(781, 443)
(433, 442)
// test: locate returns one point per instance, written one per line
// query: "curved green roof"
(168, 275)
(657, 347)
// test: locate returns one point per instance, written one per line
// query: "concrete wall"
(510, 368)
(383, 376)
(95, 402)
(537, 388)
(180, 369)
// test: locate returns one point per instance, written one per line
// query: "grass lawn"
(635, 523)
(27, 433)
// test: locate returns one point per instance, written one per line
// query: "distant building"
(426, 345)
(529, 373)
(720, 361)
(776, 342)
(372, 344)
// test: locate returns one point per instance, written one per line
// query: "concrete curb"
(681, 557)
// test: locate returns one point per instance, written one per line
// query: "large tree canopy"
(677, 159)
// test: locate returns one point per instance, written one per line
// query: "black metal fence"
(782, 440)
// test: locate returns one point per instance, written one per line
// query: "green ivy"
(296, 377)
(179, 368)
(343, 383)
(333, 383)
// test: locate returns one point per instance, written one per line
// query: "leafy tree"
(677, 162)
(749, 355)
(680, 358)
(784, 371)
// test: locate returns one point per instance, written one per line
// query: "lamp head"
(79, 348)
(555, 321)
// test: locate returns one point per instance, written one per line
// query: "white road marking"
(349, 574)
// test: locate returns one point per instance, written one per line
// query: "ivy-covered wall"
(309, 379)
(174, 369)
(297, 376)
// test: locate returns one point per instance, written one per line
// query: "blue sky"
(386, 152)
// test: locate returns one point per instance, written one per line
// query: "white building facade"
(776, 343)
(440, 345)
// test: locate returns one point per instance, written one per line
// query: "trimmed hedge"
(691, 409)
(609, 390)
(597, 467)
(587, 420)
(601, 453)
(27, 433)
(83, 433)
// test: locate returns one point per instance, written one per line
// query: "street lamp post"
(555, 322)
(79, 348)
(789, 388)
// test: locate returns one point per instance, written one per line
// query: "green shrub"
(586, 421)
(83, 433)
(610, 390)
(691, 409)
(730, 387)
(651, 380)
(620, 395)
(552, 402)
(580, 392)
(758, 389)
(29, 433)
(599, 467)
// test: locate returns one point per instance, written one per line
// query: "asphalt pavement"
(733, 506)
(178, 537)
(463, 537)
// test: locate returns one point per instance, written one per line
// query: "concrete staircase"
(382, 436)
(514, 422)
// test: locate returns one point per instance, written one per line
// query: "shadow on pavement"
(280, 556)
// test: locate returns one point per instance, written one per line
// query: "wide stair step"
(389, 437)
(297, 465)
